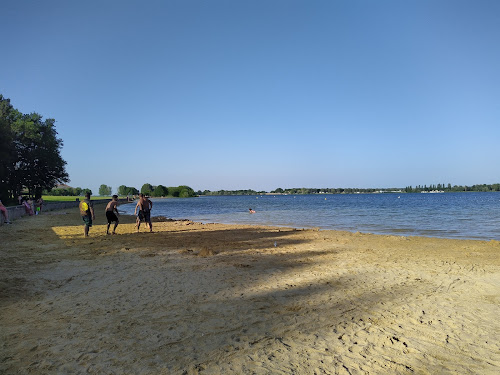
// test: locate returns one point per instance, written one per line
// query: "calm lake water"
(448, 215)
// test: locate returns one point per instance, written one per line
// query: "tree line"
(231, 192)
(454, 188)
(67, 192)
(294, 191)
(30, 158)
(158, 191)
(123, 190)
(408, 189)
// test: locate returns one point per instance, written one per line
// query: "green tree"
(85, 191)
(127, 190)
(147, 189)
(104, 190)
(160, 191)
(174, 191)
(122, 190)
(186, 192)
(6, 147)
(132, 191)
(38, 164)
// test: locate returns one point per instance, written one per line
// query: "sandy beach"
(196, 298)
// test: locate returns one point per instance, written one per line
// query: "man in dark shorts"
(145, 206)
(87, 213)
(112, 213)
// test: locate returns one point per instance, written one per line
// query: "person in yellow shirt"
(87, 213)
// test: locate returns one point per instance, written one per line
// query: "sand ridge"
(197, 298)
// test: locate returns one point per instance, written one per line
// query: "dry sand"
(210, 299)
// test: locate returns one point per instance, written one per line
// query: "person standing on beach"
(5, 213)
(27, 207)
(87, 213)
(40, 205)
(145, 206)
(32, 206)
(112, 213)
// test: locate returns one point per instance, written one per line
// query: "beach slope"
(208, 298)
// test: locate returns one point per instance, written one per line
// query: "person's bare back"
(144, 205)
(111, 206)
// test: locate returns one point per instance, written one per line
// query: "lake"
(448, 215)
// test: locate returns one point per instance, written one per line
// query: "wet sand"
(210, 299)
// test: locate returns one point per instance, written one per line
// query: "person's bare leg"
(114, 229)
(6, 216)
(107, 229)
(86, 230)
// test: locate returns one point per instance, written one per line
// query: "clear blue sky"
(261, 94)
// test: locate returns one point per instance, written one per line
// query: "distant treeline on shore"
(67, 191)
(454, 188)
(146, 189)
(408, 189)
(184, 191)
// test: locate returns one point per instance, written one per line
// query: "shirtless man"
(145, 206)
(112, 213)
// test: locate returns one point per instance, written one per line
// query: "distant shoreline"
(228, 193)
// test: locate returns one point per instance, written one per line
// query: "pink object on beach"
(28, 208)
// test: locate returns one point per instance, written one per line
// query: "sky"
(261, 94)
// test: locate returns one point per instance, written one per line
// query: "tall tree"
(147, 189)
(38, 163)
(85, 191)
(127, 190)
(185, 191)
(6, 146)
(160, 191)
(105, 190)
(122, 190)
